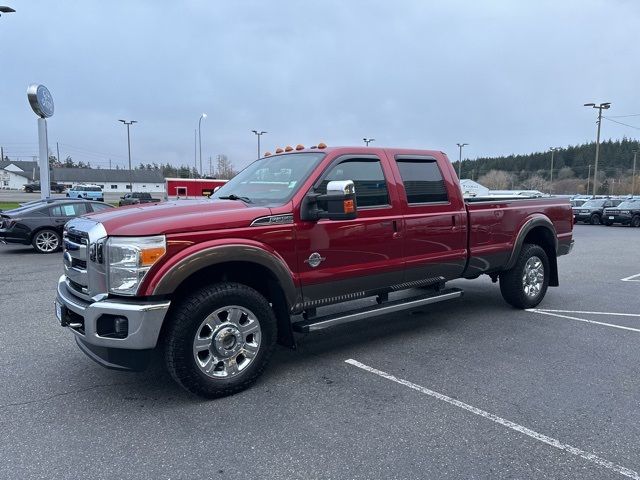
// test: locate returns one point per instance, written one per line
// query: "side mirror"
(339, 203)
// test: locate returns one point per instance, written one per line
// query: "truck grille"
(85, 278)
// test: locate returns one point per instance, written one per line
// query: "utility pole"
(602, 106)
(460, 145)
(1, 154)
(58, 152)
(259, 134)
(128, 124)
(204, 115)
(633, 178)
(553, 150)
(195, 151)
(210, 173)
(367, 141)
(588, 180)
(109, 164)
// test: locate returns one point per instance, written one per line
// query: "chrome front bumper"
(144, 320)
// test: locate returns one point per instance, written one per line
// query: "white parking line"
(584, 312)
(501, 421)
(612, 325)
(632, 278)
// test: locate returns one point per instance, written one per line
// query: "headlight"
(130, 258)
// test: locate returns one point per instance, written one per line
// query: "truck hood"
(178, 217)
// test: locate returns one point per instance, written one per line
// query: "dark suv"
(40, 224)
(35, 187)
(627, 213)
(592, 211)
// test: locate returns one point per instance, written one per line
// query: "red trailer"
(180, 188)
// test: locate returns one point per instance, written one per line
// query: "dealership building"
(14, 175)
(114, 181)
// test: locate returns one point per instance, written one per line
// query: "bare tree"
(497, 180)
(536, 182)
(224, 167)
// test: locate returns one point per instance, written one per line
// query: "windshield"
(593, 203)
(271, 180)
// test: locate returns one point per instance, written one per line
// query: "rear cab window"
(423, 180)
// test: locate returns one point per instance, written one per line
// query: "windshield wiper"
(236, 197)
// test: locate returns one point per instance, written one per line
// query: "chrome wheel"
(47, 241)
(227, 341)
(533, 276)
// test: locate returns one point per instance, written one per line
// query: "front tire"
(594, 219)
(525, 285)
(46, 241)
(219, 339)
(635, 221)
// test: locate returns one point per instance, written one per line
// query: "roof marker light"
(322, 145)
(279, 150)
(267, 154)
(288, 148)
(299, 147)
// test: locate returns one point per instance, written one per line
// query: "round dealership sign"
(41, 100)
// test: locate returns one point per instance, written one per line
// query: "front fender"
(177, 269)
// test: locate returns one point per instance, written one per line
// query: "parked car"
(90, 192)
(578, 202)
(592, 211)
(35, 187)
(41, 224)
(136, 198)
(626, 213)
(216, 283)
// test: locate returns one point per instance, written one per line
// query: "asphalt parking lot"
(466, 389)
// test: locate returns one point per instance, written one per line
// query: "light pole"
(367, 141)
(204, 115)
(259, 134)
(633, 178)
(128, 124)
(588, 179)
(553, 150)
(460, 145)
(602, 106)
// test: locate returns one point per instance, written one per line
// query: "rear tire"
(525, 285)
(46, 241)
(594, 219)
(219, 339)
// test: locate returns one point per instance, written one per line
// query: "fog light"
(112, 326)
(121, 326)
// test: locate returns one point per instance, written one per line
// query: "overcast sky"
(504, 76)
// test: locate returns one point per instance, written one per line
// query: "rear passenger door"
(434, 215)
(62, 213)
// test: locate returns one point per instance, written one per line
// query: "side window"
(69, 210)
(368, 179)
(422, 181)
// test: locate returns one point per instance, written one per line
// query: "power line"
(623, 116)
(625, 124)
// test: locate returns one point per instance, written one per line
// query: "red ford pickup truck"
(216, 283)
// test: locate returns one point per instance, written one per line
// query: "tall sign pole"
(41, 102)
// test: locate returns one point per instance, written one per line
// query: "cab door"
(342, 259)
(435, 221)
